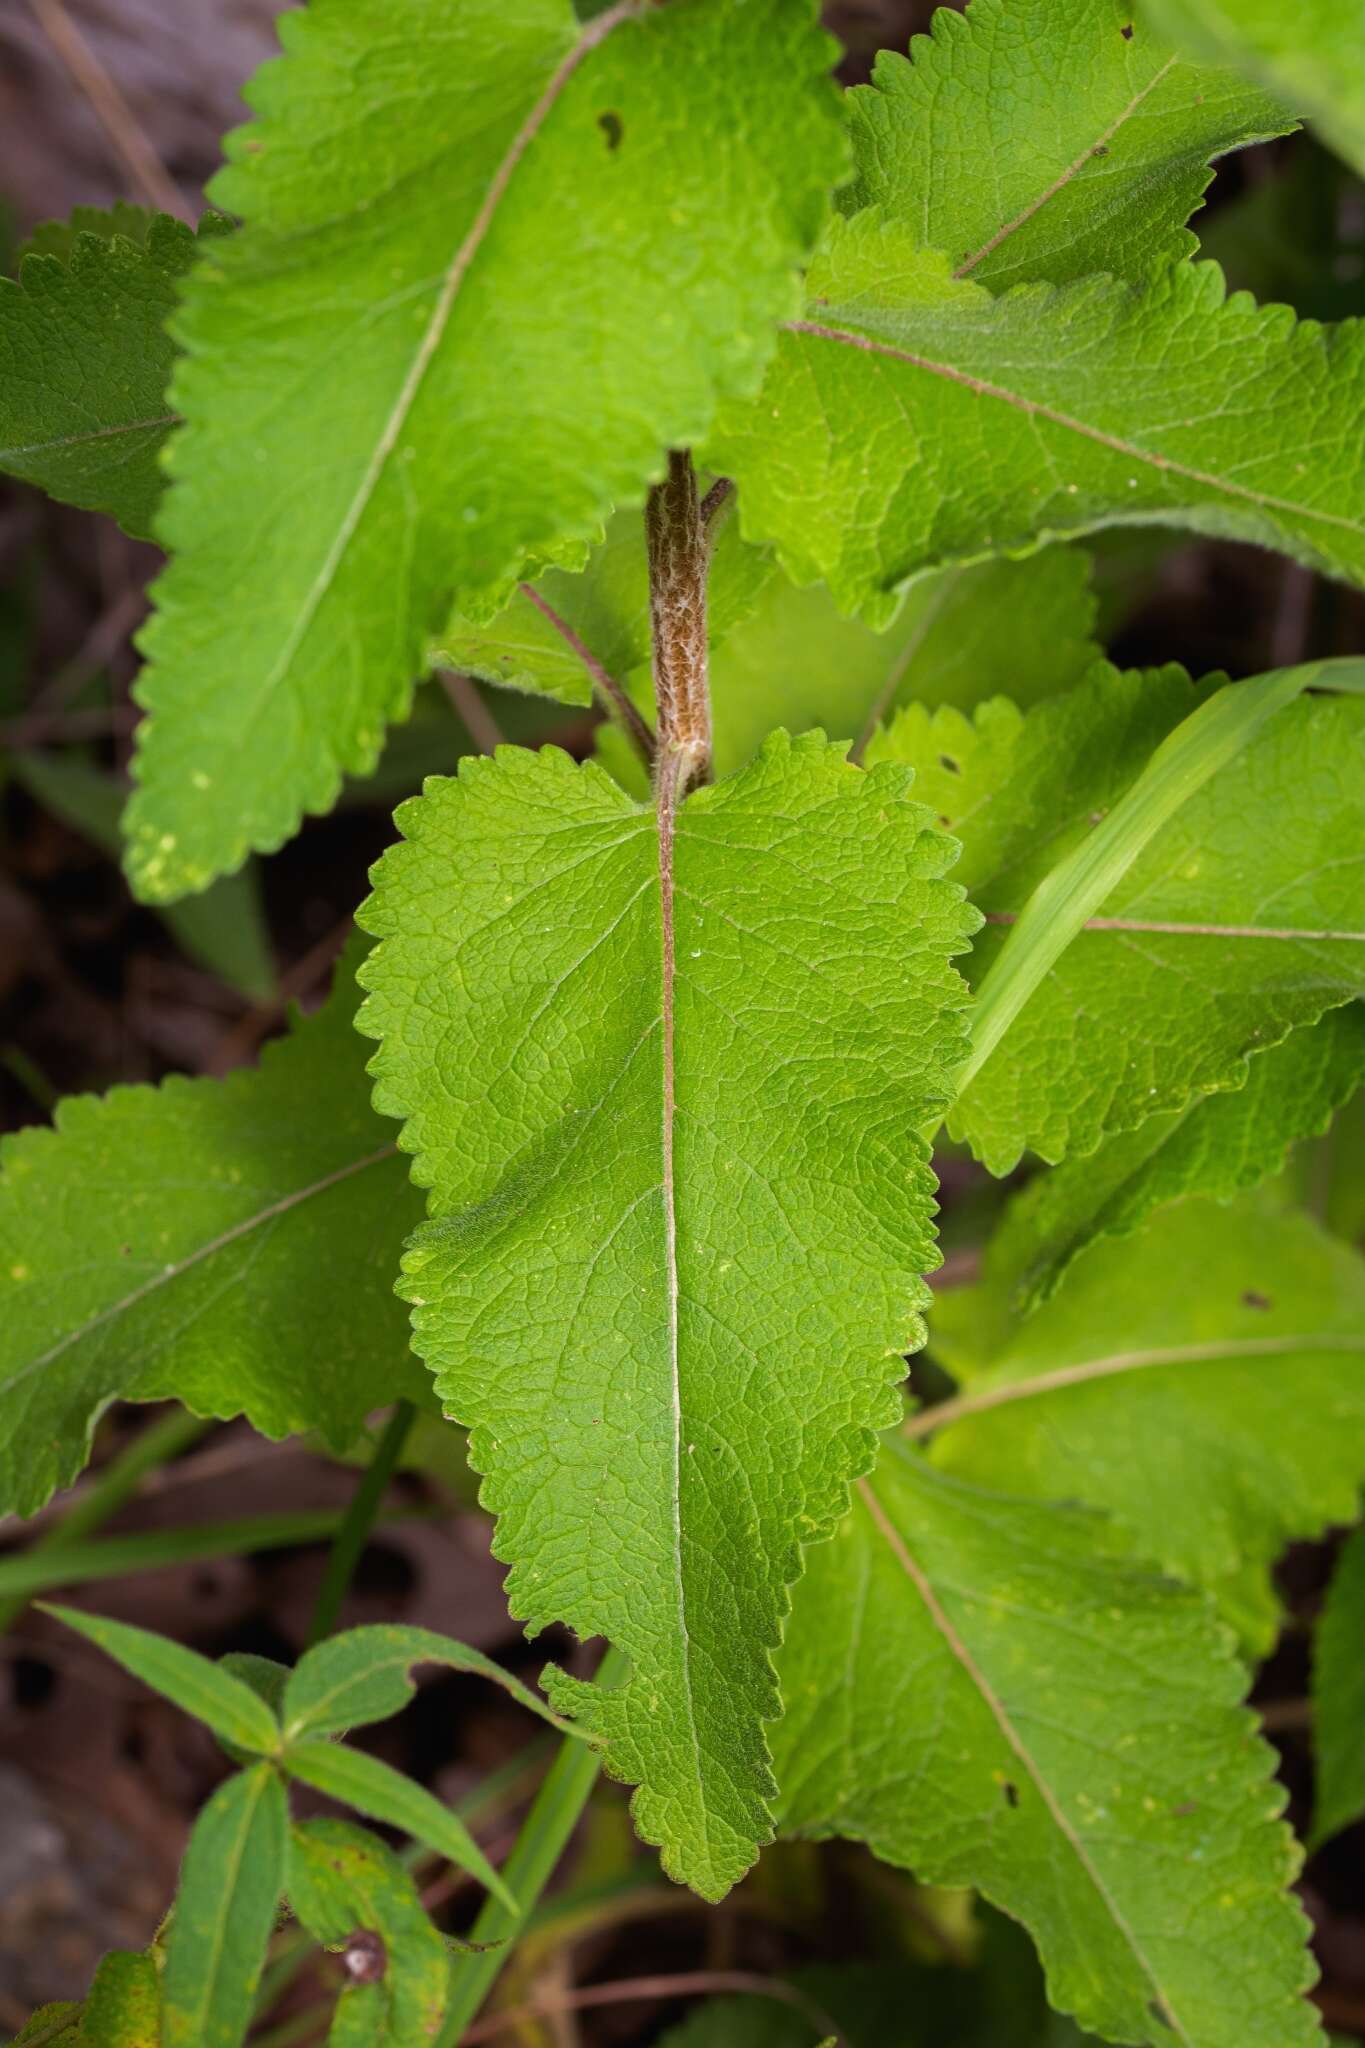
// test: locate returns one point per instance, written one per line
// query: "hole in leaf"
(1253, 1298)
(947, 761)
(1011, 1793)
(1127, 33)
(610, 124)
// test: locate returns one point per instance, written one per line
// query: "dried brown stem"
(679, 556)
(149, 175)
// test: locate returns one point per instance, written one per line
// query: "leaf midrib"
(1036, 409)
(595, 33)
(1060, 183)
(1220, 1350)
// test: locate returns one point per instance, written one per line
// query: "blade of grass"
(358, 1521)
(1080, 883)
(38, 1570)
(162, 1440)
(527, 1871)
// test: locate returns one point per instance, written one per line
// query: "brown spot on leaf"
(1253, 1298)
(365, 1957)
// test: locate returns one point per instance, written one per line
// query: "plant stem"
(163, 1439)
(679, 559)
(539, 1846)
(359, 1519)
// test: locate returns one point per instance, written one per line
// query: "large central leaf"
(667, 1110)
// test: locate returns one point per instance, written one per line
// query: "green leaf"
(1316, 62)
(1217, 1145)
(1168, 988)
(123, 2009)
(417, 365)
(985, 1691)
(224, 929)
(1339, 1697)
(85, 358)
(341, 1879)
(605, 608)
(151, 1238)
(1201, 1380)
(1040, 140)
(196, 1684)
(230, 1884)
(365, 1675)
(375, 1788)
(53, 2026)
(960, 636)
(672, 1266)
(913, 420)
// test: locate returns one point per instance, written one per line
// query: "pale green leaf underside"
(605, 607)
(783, 656)
(664, 1417)
(1217, 1145)
(230, 1244)
(1203, 1380)
(1037, 141)
(986, 1692)
(416, 365)
(911, 420)
(1338, 1693)
(1225, 934)
(85, 359)
(1314, 59)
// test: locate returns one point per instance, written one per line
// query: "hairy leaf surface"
(227, 1243)
(985, 1691)
(1217, 1145)
(666, 1107)
(1315, 60)
(1203, 1380)
(1042, 140)
(1222, 938)
(1339, 1696)
(912, 420)
(85, 358)
(419, 364)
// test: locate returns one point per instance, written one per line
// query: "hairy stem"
(679, 557)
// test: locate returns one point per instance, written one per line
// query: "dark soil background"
(102, 99)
